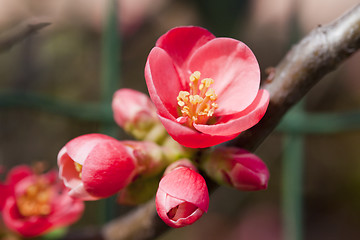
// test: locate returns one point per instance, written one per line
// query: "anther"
(197, 105)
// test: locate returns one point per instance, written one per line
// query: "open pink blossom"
(238, 168)
(205, 89)
(36, 204)
(95, 166)
(182, 197)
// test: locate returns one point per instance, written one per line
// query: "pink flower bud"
(182, 197)
(238, 168)
(36, 204)
(135, 112)
(95, 166)
(149, 157)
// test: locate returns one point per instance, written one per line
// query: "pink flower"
(182, 197)
(205, 89)
(238, 168)
(36, 204)
(95, 166)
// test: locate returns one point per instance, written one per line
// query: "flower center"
(78, 168)
(197, 105)
(36, 200)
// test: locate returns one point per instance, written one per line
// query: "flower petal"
(78, 148)
(249, 173)
(17, 174)
(70, 177)
(234, 69)
(163, 82)
(191, 138)
(181, 42)
(108, 168)
(236, 123)
(63, 214)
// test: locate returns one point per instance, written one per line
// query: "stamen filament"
(197, 105)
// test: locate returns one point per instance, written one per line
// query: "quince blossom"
(205, 89)
(36, 204)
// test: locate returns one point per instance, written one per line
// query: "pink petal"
(5, 191)
(78, 148)
(171, 202)
(18, 173)
(162, 207)
(191, 138)
(66, 210)
(70, 176)
(108, 168)
(250, 173)
(236, 123)
(187, 185)
(190, 219)
(180, 43)
(234, 69)
(163, 82)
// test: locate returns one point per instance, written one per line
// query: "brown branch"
(20, 32)
(143, 223)
(316, 55)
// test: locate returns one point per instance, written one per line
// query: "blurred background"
(53, 84)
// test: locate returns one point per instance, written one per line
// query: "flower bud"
(237, 168)
(95, 166)
(136, 114)
(182, 197)
(149, 157)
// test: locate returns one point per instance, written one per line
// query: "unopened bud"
(237, 168)
(149, 156)
(136, 114)
(182, 197)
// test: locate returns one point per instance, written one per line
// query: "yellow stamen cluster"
(78, 168)
(36, 200)
(197, 105)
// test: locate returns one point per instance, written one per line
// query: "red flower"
(36, 204)
(95, 166)
(238, 168)
(205, 89)
(182, 197)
